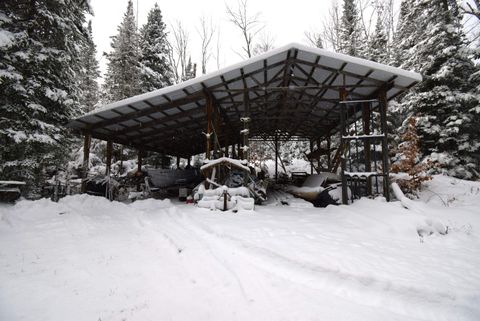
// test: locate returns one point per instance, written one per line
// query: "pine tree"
(89, 73)
(156, 70)
(408, 160)
(350, 41)
(444, 103)
(39, 66)
(190, 70)
(377, 47)
(122, 78)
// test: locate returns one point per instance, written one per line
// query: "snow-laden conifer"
(156, 71)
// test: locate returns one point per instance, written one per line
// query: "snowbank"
(86, 258)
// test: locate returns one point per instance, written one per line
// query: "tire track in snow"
(366, 290)
(181, 232)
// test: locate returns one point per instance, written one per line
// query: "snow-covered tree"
(431, 41)
(350, 41)
(89, 73)
(39, 64)
(408, 163)
(378, 43)
(190, 70)
(156, 71)
(123, 71)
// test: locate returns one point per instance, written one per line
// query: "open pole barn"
(292, 92)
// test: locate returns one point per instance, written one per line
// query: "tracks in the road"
(365, 290)
(187, 241)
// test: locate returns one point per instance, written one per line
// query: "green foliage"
(156, 71)
(39, 65)
(431, 41)
(123, 71)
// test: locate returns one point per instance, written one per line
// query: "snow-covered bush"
(413, 172)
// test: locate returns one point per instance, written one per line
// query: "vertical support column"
(343, 132)
(87, 140)
(329, 146)
(121, 161)
(246, 121)
(218, 133)
(276, 159)
(366, 113)
(188, 161)
(209, 133)
(382, 98)
(239, 151)
(139, 161)
(109, 158)
(178, 162)
(139, 168)
(311, 160)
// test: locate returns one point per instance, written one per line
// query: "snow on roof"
(413, 76)
(298, 85)
(235, 162)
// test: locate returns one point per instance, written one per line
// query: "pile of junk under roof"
(219, 184)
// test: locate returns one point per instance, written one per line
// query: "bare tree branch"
(180, 47)
(314, 38)
(265, 43)
(249, 25)
(206, 31)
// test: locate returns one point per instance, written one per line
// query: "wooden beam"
(139, 160)
(276, 159)
(147, 111)
(311, 160)
(209, 112)
(109, 158)
(343, 160)
(87, 140)
(366, 114)
(382, 97)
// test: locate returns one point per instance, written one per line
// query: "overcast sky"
(286, 21)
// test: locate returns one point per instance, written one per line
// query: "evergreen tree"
(350, 41)
(444, 104)
(156, 71)
(408, 160)
(122, 79)
(39, 65)
(89, 73)
(378, 44)
(190, 70)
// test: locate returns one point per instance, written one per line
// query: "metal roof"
(293, 89)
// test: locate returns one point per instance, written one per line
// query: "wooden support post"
(209, 133)
(109, 158)
(86, 160)
(178, 162)
(342, 149)
(139, 168)
(311, 160)
(276, 159)
(366, 113)
(329, 146)
(382, 98)
(120, 171)
(139, 161)
(218, 133)
(188, 161)
(246, 121)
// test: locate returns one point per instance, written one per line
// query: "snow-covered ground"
(85, 258)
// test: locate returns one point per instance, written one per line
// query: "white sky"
(286, 21)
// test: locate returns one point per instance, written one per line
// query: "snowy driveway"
(88, 259)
